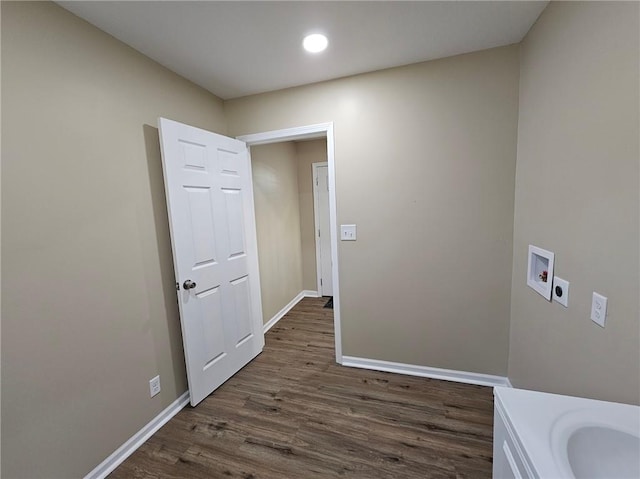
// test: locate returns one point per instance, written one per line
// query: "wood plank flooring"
(294, 413)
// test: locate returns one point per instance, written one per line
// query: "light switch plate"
(347, 232)
(561, 291)
(598, 309)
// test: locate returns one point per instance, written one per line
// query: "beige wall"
(0, 243)
(89, 314)
(275, 188)
(308, 152)
(425, 161)
(425, 165)
(577, 195)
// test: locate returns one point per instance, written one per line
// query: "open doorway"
(283, 188)
(321, 131)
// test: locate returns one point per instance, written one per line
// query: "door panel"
(193, 156)
(240, 288)
(210, 203)
(233, 211)
(201, 223)
(214, 346)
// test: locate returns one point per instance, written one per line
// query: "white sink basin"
(603, 452)
(598, 444)
(550, 436)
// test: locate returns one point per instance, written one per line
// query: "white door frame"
(321, 130)
(316, 221)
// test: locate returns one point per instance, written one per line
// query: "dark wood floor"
(294, 413)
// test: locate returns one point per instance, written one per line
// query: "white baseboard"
(306, 293)
(426, 371)
(107, 466)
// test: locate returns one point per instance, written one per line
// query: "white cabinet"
(508, 459)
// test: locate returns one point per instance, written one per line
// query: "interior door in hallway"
(212, 222)
(323, 231)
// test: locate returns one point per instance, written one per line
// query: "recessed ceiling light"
(315, 43)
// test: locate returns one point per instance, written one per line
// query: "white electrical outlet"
(154, 386)
(598, 309)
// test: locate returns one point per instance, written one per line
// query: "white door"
(323, 234)
(210, 203)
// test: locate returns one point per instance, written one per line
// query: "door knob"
(188, 284)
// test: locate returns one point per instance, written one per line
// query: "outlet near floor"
(154, 386)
